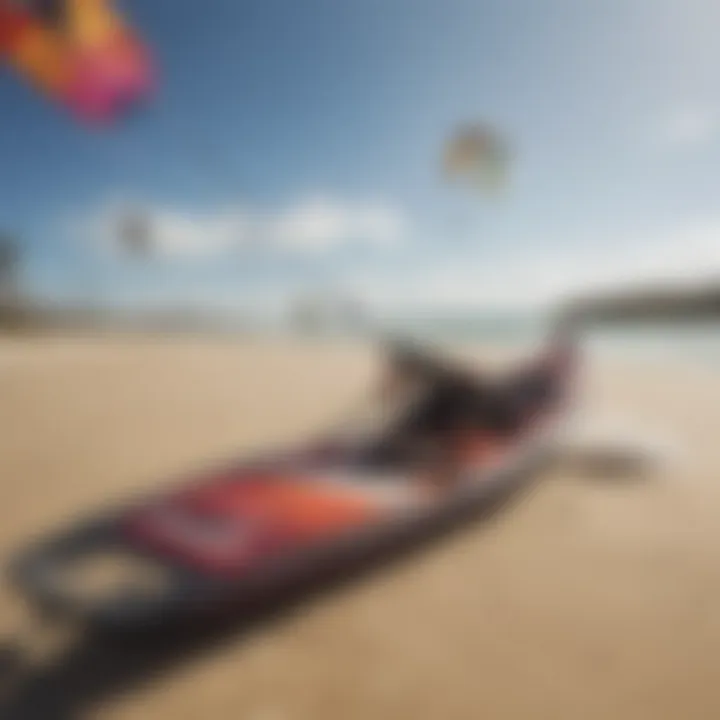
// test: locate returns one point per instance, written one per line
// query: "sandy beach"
(587, 599)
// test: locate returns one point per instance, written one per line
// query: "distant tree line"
(663, 304)
(12, 312)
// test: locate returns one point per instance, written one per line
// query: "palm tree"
(9, 279)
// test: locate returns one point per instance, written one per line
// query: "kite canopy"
(135, 233)
(77, 52)
(477, 156)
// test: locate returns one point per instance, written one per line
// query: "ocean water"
(695, 341)
(672, 340)
(491, 329)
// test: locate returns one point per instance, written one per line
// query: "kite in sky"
(476, 155)
(79, 53)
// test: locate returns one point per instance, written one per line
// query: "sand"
(587, 599)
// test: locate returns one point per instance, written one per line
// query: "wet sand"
(587, 599)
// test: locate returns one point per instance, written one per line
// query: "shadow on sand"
(95, 668)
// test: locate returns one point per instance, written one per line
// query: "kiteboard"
(249, 530)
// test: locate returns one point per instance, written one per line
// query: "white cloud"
(314, 226)
(682, 255)
(688, 126)
(321, 224)
(170, 232)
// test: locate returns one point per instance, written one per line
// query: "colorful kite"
(476, 155)
(78, 52)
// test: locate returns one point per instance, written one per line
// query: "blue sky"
(321, 123)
